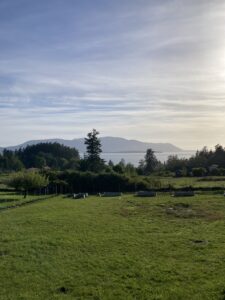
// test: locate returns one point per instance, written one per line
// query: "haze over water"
(134, 158)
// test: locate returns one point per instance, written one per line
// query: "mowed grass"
(114, 248)
(195, 182)
(11, 199)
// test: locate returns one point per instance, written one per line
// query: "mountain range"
(109, 145)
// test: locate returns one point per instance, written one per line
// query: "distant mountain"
(109, 144)
(116, 144)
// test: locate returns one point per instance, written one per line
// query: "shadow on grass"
(9, 200)
(26, 202)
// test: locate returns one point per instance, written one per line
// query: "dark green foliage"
(206, 158)
(93, 149)
(149, 164)
(104, 182)
(174, 163)
(10, 162)
(123, 168)
(150, 161)
(93, 144)
(110, 164)
(118, 169)
(199, 172)
(53, 155)
(216, 171)
(222, 171)
(130, 170)
(108, 182)
(95, 183)
(204, 162)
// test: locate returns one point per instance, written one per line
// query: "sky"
(139, 69)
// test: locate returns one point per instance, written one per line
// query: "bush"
(81, 182)
(27, 181)
(199, 172)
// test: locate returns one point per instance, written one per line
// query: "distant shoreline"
(136, 152)
(135, 157)
(130, 152)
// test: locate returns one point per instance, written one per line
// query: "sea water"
(134, 158)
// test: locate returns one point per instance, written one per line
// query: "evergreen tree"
(149, 163)
(93, 146)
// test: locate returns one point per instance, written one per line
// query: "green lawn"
(11, 199)
(112, 248)
(195, 182)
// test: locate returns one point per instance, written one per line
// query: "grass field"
(111, 248)
(195, 182)
(10, 199)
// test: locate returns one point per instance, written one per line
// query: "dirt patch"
(182, 205)
(181, 210)
(185, 210)
(127, 212)
(133, 209)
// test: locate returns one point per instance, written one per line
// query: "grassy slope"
(103, 248)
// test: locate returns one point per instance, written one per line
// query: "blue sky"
(147, 70)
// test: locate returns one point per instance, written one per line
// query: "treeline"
(54, 156)
(75, 182)
(57, 157)
(43, 155)
(203, 163)
(54, 168)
